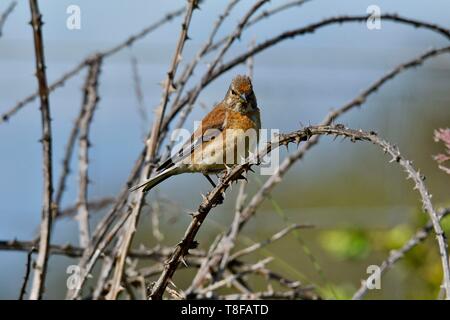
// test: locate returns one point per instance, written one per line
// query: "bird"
(226, 135)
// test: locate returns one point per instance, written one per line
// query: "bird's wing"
(211, 126)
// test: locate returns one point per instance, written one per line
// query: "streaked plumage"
(219, 131)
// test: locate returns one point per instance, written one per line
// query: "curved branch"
(88, 60)
(259, 197)
(396, 255)
(267, 187)
(212, 199)
(100, 237)
(206, 80)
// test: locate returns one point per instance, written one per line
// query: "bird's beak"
(243, 98)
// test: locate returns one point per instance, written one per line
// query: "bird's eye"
(234, 92)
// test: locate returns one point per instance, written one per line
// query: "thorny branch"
(40, 270)
(102, 54)
(120, 223)
(157, 253)
(90, 101)
(212, 199)
(189, 69)
(192, 94)
(396, 255)
(152, 144)
(259, 197)
(248, 211)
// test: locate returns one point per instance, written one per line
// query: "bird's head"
(240, 96)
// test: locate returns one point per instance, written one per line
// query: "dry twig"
(213, 197)
(90, 101)
(396, 255)
(192, 94)
(23, 289)
(157, 253)
(40, 271)
(246, 213)
(103, 54)
(5, 15)
(151, 143)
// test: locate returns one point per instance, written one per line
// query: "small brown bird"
(226, 136)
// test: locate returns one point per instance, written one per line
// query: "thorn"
(194, 214)
(194, 244)
(196, 6)
(228, 169)
(184, 262)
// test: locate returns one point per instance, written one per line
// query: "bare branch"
(5, 15)
(192, 94)
(155, 214)
(268, 186)
(301, 293)
(27, 273)
(91, 256)
(263, 15)
(211, 200)
(40, 271)
(189, 70)
(93, 205)
(103, 54)
(101, 238)
(223, 248)
(152, 144)
(232, 277)
(142, 111)
(213, 197)
(251, 61)
(396, 255)
(280, 234)
(90, 101)
(157, 253)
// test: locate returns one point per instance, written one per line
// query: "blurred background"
(361, 206)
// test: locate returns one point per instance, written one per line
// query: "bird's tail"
(153, 181)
